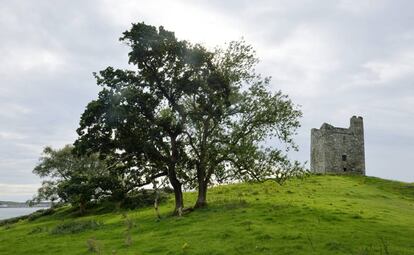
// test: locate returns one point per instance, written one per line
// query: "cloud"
(17, 192)
(13, 110)
(362, 7)
(335, 58)
(302, 61)
(11, 136)
(387, 71)
(185, 18)
(30, 61)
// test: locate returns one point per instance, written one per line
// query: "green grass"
(316, 215)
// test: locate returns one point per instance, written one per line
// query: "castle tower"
(338, 150)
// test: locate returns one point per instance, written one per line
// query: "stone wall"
(338, 150)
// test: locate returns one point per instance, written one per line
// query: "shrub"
(75, 227)
(40, 213)
(37, 230)
(93, 246)
(7, 222)
(143, 198)
(7, 226)
(130, 224)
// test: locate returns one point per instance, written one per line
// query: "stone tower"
(338, 150)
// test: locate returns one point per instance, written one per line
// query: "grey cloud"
(371, 47)
(335, 58)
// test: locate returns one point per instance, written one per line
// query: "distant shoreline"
(9, 207)
(10, 204)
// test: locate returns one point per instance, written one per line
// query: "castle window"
(344, 169)
(343, 157)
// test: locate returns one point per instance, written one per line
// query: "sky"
(334, 58)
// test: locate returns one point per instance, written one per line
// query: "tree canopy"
(191, 115)
(69, 178)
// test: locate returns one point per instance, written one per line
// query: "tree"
(192, 115)
(231, 116)
(71, 179)
(138, 118)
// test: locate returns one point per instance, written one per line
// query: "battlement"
(337, 149)
(355, 127)
(327, 128)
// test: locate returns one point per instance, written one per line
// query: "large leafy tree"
(195, 116)
(227, 135)
(138, 118)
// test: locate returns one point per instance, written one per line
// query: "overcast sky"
(334, 58)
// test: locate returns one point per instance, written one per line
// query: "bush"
(37, 230)
(143, 198)
(7, 222)
(93, 245)
(40, 213)
(75, 227)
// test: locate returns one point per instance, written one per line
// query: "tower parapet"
(357, 125)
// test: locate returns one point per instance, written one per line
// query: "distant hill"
(11, 204)
(315, 215)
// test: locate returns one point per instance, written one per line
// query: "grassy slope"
(317, 215)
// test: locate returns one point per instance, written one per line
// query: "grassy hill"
(316, 215)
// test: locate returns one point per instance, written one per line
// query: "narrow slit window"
(343, 157)
(344, 169)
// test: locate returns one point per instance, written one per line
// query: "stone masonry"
(338, 150)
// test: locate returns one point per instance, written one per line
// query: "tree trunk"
(202, 175)
(172, 175)
(202, 195)
(157, 212)
(178, 193)
(82, 207)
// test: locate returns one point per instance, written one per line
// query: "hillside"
(316, 215)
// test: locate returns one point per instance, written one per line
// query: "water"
(6, 213)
